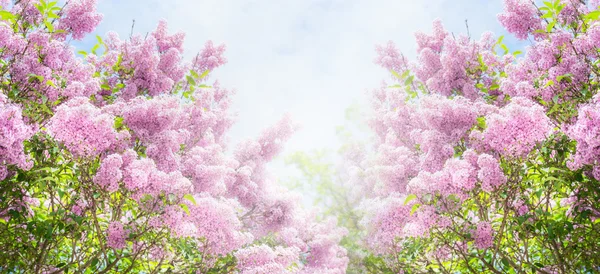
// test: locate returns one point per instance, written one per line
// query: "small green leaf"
(550, 26)
(190, 198)
(500, 39)
(118, 122)
(95, 48)
(414, 208)
(406, 73)
(594, 15)
(6, 15)
(185, 208)
(505, 48)
(49, 26)
(409, 80)
(194, 74)
(40, 8)
(409, 198)
(52, 15)
(547, 15)
(204, 74)
(481, 122)
(191, 80)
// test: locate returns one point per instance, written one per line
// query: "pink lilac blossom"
(443, 62)
(520, 18)
(116, 235)
(85, 130)
(209, 58)
(279, 213)
(516, 128)
(216, 221)
(264, 259)
(387, 223)
(484, 235)
(79, 18)
(13, 131)
(154, 63)
(490, 173)
(248, 181)
(109, 174)
(586, 131)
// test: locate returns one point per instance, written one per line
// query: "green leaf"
(95, 48)
(194, 74)
(204, 74)
(406, 73)
(94, 262)
(52, 15)
(409, 198)
(190, 198)
(50, 83)
(549, 83)
(505, 48)
(190, 80)
(49, 26)
(550, 26)
(40, 8)
(481, 122)
(409, 80)
(594, 15)
(119, 60)
(414, 208)
(118, 122)
(6, 15)
(185, 208)
(500, 39)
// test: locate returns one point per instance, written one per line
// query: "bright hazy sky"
(310, 58)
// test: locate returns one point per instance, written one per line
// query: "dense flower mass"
(586, 131)
(85, 130)
(118, 161)
(13, 131)
(80, 18)
(516, 128)
(477, 146)
(520, 17)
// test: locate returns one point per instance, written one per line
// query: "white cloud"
(311, 58)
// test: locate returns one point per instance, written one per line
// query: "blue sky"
(309, 58)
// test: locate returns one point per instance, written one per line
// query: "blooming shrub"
(486, 161)
(115, 161)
